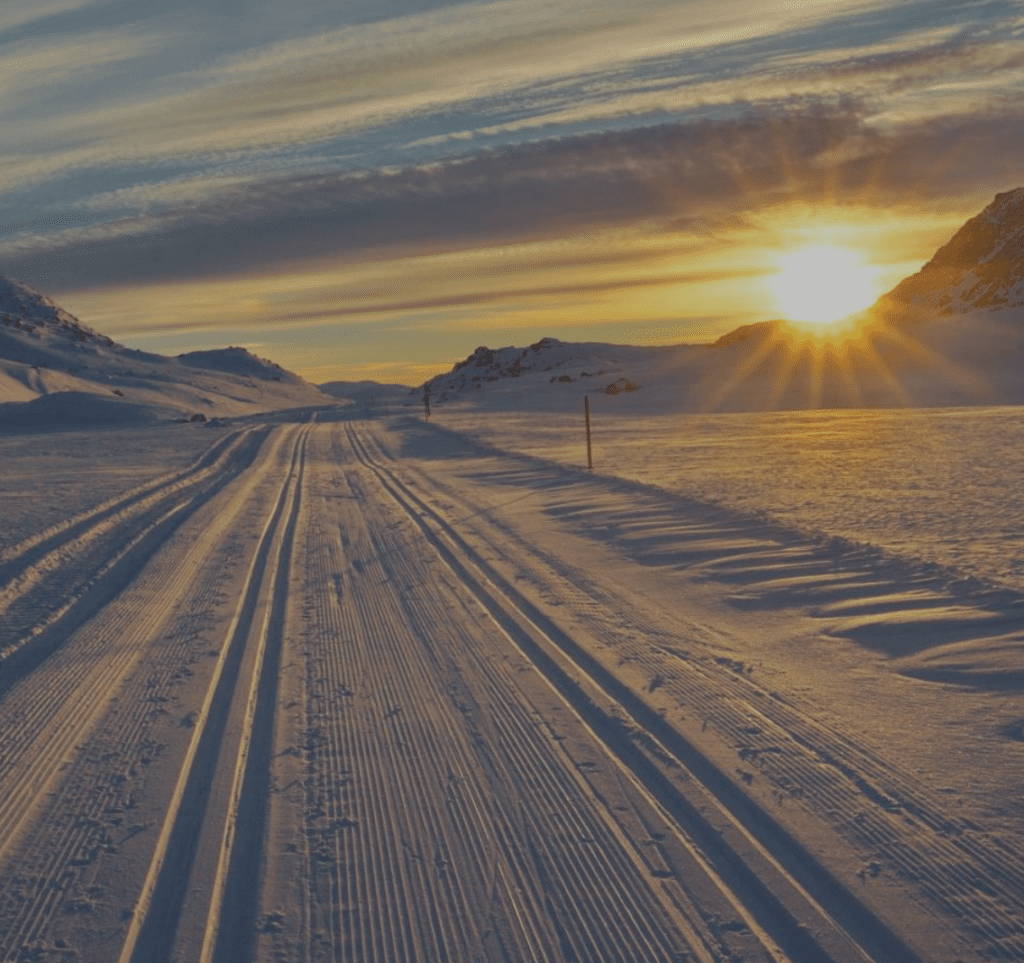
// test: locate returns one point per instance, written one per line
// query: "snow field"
(369, 691)
(865, 792)
(941, 485)
(49, 476)
(93, 704)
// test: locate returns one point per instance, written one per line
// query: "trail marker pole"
(586, 415)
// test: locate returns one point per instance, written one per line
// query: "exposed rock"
(623, 384)
(982, 266)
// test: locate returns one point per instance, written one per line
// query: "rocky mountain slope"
(54, 369)
(981, 267)
(549, 356)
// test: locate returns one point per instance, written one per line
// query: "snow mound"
(75, 408)
(236, 361)
(996, 663)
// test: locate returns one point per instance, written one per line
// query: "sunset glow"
(585, 170)
(822, 284)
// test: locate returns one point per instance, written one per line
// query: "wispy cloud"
(188, 190)
(519, 159)
(17, 13)
(340, 82)
(702, 172)
(36, 68)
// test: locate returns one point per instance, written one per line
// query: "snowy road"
(360, 691)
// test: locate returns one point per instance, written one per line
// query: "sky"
(372, 188)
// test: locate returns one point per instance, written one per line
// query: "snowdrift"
(72, 408)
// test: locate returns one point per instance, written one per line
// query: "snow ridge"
(27, 310)
(55, 370)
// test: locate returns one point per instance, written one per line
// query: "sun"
(822, 283)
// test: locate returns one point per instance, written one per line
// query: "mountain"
(560, 359)
(56, 370)
(981, 267)
(951, 334)
(360, 390)
(237, 361)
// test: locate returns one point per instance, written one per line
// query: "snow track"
(79, 729)
(228, 747)
(744, 849)
(281, 706)
(45, 577)
(969, 878)
(442, 819)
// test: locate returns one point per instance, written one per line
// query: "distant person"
(426, 403)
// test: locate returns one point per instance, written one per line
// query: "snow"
(47, 478)
(44, 351)
(235, 361)
(80, 408)
(963, 359)
(418, 660)
(881, 478)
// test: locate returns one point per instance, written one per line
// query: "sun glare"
(822, 284)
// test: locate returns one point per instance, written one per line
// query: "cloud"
(191, 190)
(527, 55)
(504, 295)
(16, 13)
(32, 68)
(702, 172)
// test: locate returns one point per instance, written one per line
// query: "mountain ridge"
(953, 333)
(981, 266)
(54, 369)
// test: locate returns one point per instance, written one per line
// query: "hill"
(951, 334)
(56, 370)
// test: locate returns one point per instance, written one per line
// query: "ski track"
(43, 577)
(973, 879)
(435, 849)
(281, 706)
(784, 919)
(48, 719)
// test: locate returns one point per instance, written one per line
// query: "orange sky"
(374, 191)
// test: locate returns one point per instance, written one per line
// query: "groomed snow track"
(279, 706)
(768, 875)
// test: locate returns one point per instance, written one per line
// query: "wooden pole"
(586, 415)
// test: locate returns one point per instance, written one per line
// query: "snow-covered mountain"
(980, 268)
(565, 362)
(54, 369)
(952, 334)
(361, 390)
